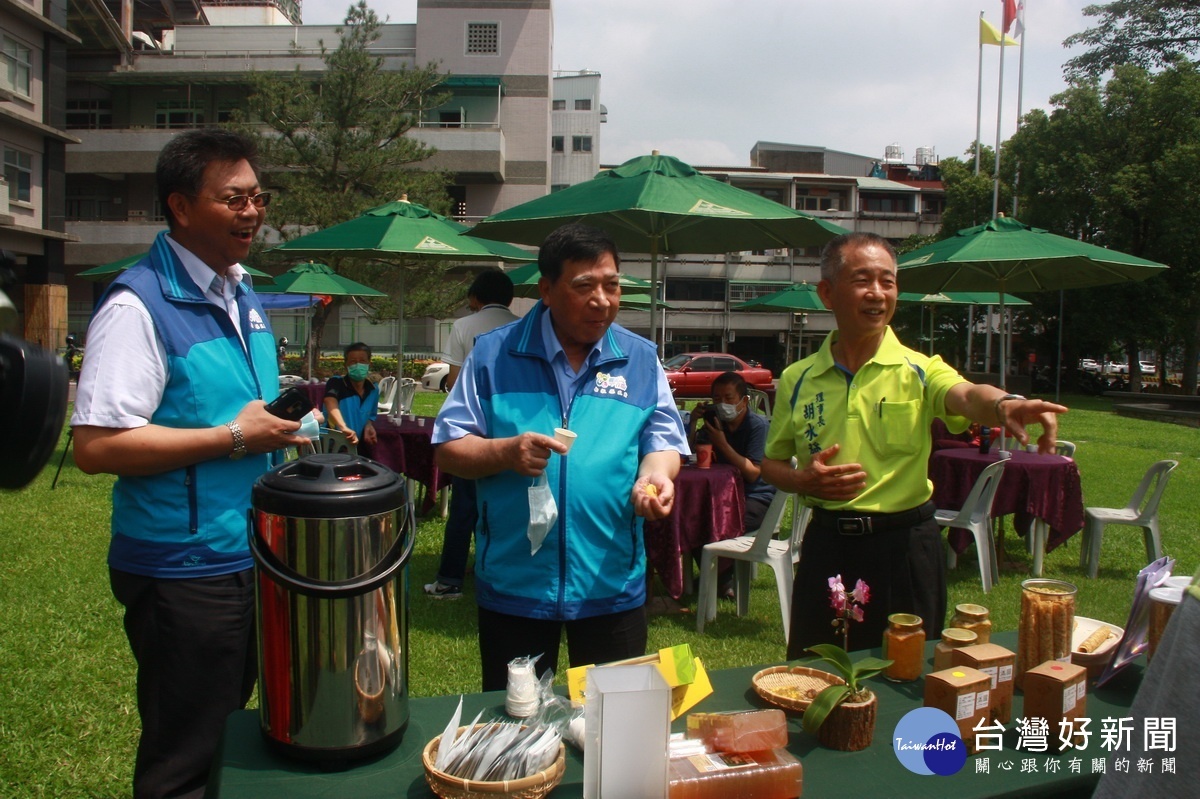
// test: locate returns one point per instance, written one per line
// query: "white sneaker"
(439, 590)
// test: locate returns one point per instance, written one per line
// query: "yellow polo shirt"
(880, 416)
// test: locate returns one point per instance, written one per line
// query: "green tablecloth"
(245, 767)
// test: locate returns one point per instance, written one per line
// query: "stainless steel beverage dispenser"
(331, 537)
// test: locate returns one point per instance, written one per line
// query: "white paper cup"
(565, 436)
(421, 422)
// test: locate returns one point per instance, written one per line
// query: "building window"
(18, 171)
(450, 119)
(558, 105)
(817, 204)
(558, 187)
(885, 205)
(177, 114)
(556, 144)
(89, 114)
(483, 38)
(18, 63)
(583, 105)
(581, 144)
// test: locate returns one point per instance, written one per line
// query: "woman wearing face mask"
(352, 402)
(737, 437)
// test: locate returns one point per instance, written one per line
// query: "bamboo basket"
(534, 786)
(793, 688)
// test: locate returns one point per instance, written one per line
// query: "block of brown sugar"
(1056, 691)
(964, 693)
(740, 730)
(996, 662)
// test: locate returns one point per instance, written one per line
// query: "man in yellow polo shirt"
(856, 416)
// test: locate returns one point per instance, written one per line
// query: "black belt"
(850, 523)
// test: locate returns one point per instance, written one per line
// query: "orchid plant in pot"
(843, 716)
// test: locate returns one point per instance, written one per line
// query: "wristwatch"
(1000, 417)
(239, 440)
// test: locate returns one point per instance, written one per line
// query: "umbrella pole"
(1058, 357)
(654, 296)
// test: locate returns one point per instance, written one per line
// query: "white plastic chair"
(1146, 518)
(1064, 448)
(975, 517)
(759, 402)
(387, 393)
(336, 441)
(759, 546)
(406, 388)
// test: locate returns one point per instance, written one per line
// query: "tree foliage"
(1144, 33)
(1115, 165)
(335, 145)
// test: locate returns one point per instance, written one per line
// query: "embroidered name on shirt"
(611, 384)
(814, 420)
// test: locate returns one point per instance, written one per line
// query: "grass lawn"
(68, 725)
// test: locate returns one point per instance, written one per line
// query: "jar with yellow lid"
(975, 618)
(904, 645)
(952, 638)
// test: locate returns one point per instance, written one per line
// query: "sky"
(703, 80)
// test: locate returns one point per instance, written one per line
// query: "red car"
(691, 374)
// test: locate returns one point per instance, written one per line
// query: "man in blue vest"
(171, 400)
(558, 544)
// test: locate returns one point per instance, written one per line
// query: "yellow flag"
(990, 34)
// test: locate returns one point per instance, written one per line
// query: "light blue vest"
(191, 522)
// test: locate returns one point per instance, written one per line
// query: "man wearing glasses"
(171, 400)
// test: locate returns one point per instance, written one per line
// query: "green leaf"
(835, 656)
(823, 704)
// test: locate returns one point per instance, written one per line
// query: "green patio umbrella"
(312, 279)
(657, 204)
(1005, 254)
(957, 298)
(116, 267)
(403, 228)
(796, 297)
(525, 282)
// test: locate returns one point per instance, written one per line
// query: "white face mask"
(543, 513)
(726, 412)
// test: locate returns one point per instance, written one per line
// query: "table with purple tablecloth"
(316, 393)
(1042, 488)
(710, 505)
(406, 446)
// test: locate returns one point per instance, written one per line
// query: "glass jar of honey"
(904, 645)
(975, 618)
(952, 638)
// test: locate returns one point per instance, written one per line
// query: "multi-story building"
(885, 196)
(575, 119)
(151, 73)
(33, 43)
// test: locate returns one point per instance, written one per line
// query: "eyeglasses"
(238, 202)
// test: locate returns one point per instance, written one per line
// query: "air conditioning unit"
(734, 257)
(136, 216)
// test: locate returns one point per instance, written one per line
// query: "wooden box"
(964, 693)
(996, 662)
(1056, 691)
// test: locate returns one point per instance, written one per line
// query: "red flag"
(1010, 14)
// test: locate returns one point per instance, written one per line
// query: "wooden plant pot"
(850, 726)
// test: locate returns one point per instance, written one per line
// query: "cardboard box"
(964, 693)
(996, 662)
(1056, 691)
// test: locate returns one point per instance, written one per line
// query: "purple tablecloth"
(1046, 487)
(710, 505)
(316, 393)
(408, 448)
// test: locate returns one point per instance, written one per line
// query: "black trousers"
(598, 639)
(904, 568)
(194, 642)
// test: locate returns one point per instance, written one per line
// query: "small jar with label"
(904, 645)
(975, 618)
(952, 638)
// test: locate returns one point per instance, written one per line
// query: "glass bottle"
(904, 645)
(975, 618)
(1047, 622)
(952, 638)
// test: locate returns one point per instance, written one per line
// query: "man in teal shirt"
(856, 416)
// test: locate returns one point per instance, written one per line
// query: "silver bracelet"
(239, 440)
(1001, 417)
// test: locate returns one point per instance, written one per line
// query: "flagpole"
(999, 121)
(979, 102)
(1020, 95)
